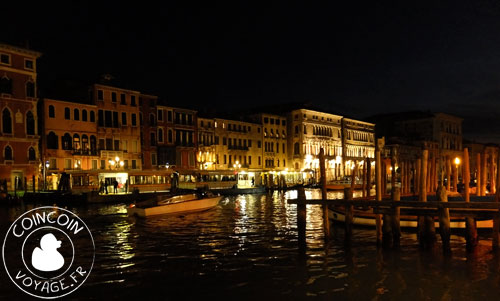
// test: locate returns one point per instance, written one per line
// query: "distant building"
(206, 156)
(358, 142)
(166, 149)
(239, 148)
(118, 132)
(69, 139)
(274, 141)
(19, 151)
(185, 138)
(309, 131)
(150, 137)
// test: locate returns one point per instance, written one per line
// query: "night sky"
(357, 59)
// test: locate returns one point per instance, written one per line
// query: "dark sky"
(353, 58)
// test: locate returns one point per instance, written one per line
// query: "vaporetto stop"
(53, 217)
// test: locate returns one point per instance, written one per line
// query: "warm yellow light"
(117, 159)
(121, 163)
(111, 162)
(338, 159)
(457, 161)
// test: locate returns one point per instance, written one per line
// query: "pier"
(427, 209)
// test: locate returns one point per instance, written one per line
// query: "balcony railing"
(84, 152)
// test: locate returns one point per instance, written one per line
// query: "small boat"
(236, 191)
(186, 203)
(362, 217)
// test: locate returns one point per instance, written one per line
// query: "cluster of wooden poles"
(387, 213)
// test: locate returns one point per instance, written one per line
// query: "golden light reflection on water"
(249, 243)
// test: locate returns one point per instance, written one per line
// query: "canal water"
(247, 248)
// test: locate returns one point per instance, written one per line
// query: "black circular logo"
(53, 252)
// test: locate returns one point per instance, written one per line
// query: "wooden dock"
(426, 209)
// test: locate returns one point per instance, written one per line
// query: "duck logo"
(48, 252)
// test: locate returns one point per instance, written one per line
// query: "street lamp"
(237, 165)
(455, 178)
(47, 164)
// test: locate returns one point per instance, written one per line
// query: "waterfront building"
(118, 131)
(358, 143)
(206, 156)
(69, 139)
(238, 147)
(19, 136)
(309, 131)
(186, 140)
(149, 131)
(274, 141)
(166, 148)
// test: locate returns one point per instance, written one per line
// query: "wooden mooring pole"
(378, 183)
(444, 219)
(426, 229)
(301, 219)
(484, 170)
(324, 196)
(478, 174)
(470, 223)
(496, 219)
(448, 173)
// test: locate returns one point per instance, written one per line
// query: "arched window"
(67, 114)
(30, 123)
(296, 149)
(6, 121)
(84, 115)
(85, 143)
(76, 142)
(52, 112)
(76, 114)
(66, 141)
(52, 142)
(92, 116)
(305, 130)
(93, 144)
(7, 153)
(31, 154)
(5, 85)
(160, 135)
(30, 89)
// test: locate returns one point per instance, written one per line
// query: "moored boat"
(367, 218)
(186, 203)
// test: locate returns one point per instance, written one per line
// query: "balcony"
(84, 152)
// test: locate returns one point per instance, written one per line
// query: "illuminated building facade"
(274, 141)
(69, 140)
(308, 132)
(19, 136)
(238, 147)
(206, 156)
(358, 143)
(185, 138)
(118, 127)
(166, 136)
(149, 131)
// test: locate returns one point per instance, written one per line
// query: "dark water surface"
(247, 248)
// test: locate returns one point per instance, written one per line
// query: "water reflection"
(247, 247)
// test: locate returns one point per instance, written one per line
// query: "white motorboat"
(174, 205)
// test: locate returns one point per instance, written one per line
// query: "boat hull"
(187, 206)
(367, 218)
